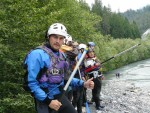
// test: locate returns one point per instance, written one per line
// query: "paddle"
(71, 76)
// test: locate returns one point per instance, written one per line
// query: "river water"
(138, 73)
(130, 93)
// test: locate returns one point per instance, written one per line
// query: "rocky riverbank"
(122, 96)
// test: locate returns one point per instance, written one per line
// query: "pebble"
(122, 97)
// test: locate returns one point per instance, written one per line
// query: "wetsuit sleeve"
(79, 56)
(36, 60)
(76, 82)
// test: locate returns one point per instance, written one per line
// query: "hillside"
(140, 16)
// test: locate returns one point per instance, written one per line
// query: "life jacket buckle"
(55, 71)
(95, 74)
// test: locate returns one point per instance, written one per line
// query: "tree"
(22, 27)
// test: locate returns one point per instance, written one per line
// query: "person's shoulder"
(79, 55)
(38, 52)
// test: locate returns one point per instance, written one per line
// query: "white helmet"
(68, 39)
(89, 62)
(57, 28)
(82, 46)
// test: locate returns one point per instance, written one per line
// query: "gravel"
(122, 96)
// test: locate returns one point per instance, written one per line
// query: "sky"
(123, 5)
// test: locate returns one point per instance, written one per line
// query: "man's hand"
(55, 104)
(102, 77)
(97, 64)
(89, 84)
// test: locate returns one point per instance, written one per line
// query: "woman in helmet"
(67, 46)
(78, 92)
(45, 68)
(71, 52)
(68, 40)
(92, 66)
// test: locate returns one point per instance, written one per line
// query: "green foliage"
(114, 23)
(118, 45)
(22, 27)
(141, 17)
(18, 104)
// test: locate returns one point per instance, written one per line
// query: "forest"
(140, 16)
(24, 23)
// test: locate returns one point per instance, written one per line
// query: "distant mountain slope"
(140, 16)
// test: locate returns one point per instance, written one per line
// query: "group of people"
(117, 75)
(49, 66)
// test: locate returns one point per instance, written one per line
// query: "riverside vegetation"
(22, 27)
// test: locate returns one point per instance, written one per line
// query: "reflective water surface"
(130, 93)
(138, 73)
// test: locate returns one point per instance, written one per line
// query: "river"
(138, 73)
(130, 93)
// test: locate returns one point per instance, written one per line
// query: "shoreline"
(122, 96)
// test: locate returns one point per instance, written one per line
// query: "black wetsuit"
(78, 97)
(97, 89)
(66, 107)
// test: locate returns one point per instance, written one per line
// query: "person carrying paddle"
(78, 91)
(92, 66)
(45, 70)
(70, 49)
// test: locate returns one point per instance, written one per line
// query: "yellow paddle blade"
(65, 48)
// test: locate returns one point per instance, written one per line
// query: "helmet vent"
(55, 27)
